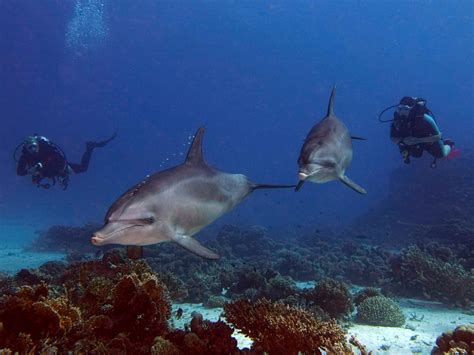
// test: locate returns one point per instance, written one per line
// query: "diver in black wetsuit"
(414, 130)
(42, 159)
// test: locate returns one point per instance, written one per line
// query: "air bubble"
(87, 29)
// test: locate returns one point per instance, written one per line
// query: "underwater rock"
(380, 310)
(282, 329)
(459, 341)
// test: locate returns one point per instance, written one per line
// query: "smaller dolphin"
(327, 152)
(174, 204)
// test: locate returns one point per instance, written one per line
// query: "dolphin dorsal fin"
(331, 103)
(195, 151)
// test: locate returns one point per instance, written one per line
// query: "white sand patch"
(433, 319)
(212, 314)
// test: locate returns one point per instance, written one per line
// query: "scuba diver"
(414, 130)
(42, 159)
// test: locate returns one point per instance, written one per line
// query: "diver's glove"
(35, 169)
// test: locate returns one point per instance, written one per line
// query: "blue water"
(257, 75)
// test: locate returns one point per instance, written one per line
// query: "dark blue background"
(257, 75)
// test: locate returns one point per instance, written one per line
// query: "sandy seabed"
(13, 239)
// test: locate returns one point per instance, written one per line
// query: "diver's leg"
(439, 149)
(86, 157)
(84, 164)
(101, 143)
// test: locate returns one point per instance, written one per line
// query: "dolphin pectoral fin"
(299, 185)
(191, 244)
(134, 252)
(345, 180)
(358, 138)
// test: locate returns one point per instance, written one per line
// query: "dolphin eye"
(149, 220)
(320, 142)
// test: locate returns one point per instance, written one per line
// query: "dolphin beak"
(302, 176)
(97, 239)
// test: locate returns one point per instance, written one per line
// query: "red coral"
(282, 329)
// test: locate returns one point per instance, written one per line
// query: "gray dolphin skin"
(174, 204)
(327, 152)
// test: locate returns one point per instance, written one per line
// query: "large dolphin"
(174, 204)
(327, 152)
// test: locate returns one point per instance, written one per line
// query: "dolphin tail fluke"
(134, 252)
(348, 182)
(192, 245)
(270, 186)
(195, 151)
(331, 103)
(300, 185)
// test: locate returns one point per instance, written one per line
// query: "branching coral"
(282, 329)
(459, 341)
(380, 310)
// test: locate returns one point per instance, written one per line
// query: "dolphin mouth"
(302, 176)
(99, 238)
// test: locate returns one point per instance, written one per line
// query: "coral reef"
(29, 316)
(205, 337)
(282, 329)
(332, 296)
(380, 310)
(105, 306)
(459, 341)
(365, 293)
(423, 275)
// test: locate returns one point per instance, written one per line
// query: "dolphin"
(327, 152)
(174, 204)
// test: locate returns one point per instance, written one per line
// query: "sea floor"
(418, 336)
(425, 320)
(13, 239)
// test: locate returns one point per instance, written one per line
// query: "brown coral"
(29, 315)
(281, 329)
(459, 341)
(106, 306)
(205, 337)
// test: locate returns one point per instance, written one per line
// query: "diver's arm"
(416, 140)
(21, 168)
(395, 135)
(428, 128)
